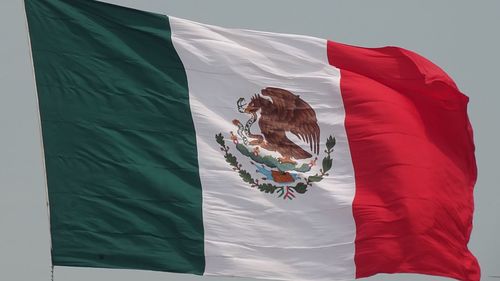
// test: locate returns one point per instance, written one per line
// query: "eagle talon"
(286, 160)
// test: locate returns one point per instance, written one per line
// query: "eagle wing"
(298, 115)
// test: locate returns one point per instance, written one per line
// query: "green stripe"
(119, 139)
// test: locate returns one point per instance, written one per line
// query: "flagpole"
(41, 137)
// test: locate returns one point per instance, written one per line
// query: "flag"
(176, 146)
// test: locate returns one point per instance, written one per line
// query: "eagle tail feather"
(317, 144)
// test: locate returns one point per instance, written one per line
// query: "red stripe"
(413, 155)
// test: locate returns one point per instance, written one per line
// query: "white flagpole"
(44, 172)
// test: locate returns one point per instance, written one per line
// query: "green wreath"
(285, 192)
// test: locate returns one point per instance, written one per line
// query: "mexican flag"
(176, 146)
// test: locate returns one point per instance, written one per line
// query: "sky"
(460, 36)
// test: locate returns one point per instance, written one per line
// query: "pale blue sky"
(462, 37)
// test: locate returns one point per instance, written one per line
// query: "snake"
(244, 131)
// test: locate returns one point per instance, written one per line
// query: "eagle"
(280, 112)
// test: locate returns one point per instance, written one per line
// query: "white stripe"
(247, 232)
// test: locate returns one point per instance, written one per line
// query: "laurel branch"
(285, 192)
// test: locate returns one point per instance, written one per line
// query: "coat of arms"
(282, 166)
